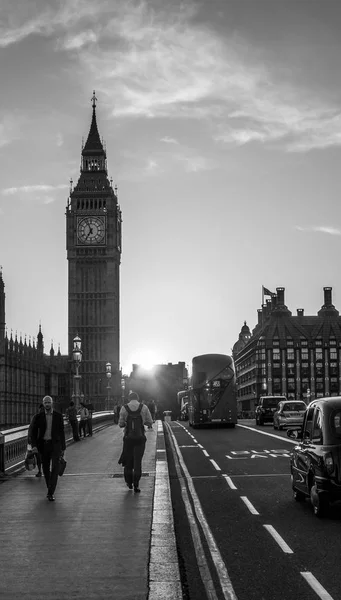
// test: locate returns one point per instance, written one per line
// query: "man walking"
(133, 417)
(71, 414)
(48, 438)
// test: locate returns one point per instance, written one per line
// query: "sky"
(222, 124)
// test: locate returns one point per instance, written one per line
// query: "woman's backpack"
(134, 427)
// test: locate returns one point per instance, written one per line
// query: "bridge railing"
(13, 442)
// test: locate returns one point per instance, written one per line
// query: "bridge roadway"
(98, 540)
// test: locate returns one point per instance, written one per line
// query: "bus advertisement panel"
(213, 392)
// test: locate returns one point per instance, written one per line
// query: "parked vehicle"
(289, 413)
(266, 407)
(316, 460)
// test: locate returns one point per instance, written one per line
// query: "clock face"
(91, 230)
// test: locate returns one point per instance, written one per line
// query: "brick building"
(298, 356)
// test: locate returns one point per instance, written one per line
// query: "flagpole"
(262, 305)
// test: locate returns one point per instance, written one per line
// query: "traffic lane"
(231, 449)
(315, 542)
(257, 566)
(261, 474)
(206, 487)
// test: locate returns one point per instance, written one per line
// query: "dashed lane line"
(282, 544)
(215, 464)
(230, 482)
(250, 506)
(316, 586)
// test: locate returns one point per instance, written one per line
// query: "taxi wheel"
(319, 501)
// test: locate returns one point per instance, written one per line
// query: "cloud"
(32, 188)
(169, 140)
(59, 140)
(194, 164)
(319, 229)
(156, 60)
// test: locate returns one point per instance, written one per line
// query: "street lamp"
(77, 359)
(108, 375)
(123, 387)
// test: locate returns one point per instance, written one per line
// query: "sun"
(145, 358)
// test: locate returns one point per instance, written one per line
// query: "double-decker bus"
(213, 392)
(183, 404)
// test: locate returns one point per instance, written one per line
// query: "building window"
(333, 354)
(318, 354)
(319, 370)
(290, 354)
(318, 342)
(276, 355)
(277, 385)
(290, 369)
(290, 342)
(304, 342)
(291, 384)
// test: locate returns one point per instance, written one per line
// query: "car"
(289, 413)
(315, 461)
(266, 407)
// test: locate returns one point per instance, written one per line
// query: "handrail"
(13, 442)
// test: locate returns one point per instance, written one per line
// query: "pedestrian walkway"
(98, 540)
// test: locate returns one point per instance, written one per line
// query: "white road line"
(283, 545)
(215, 464)
(249, 505)
(317, 587)
(205, 452)
(278, 437)
(200, 446)
(224, 578)
(230, 482)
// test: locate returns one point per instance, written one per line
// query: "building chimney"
(260, 312)
(300, 312)
(280, 296)
(273, 302)
(327, 296)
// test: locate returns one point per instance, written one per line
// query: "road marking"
(205, 452)
(215, 464)
(249, 505)
(317, 587)
(224, 578)
(230, 482)
(200, 446)
(278, 437)
(283, 545)
(188, 446)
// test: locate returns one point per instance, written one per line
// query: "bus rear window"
(271, 401)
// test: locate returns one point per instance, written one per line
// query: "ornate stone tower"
(93, 243)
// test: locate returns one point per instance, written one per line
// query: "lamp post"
(108, 375)
(123, 387)
(77, 359)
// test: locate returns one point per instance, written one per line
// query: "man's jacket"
(57, 431)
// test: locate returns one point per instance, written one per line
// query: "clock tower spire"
(93, 243)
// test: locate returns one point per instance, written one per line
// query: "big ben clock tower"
(93, 244)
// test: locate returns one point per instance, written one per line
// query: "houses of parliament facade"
(93, 246)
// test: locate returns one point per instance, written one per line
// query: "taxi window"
(308, 422)
(336, 423)
(317, 436)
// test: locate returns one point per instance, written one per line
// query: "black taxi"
(316, 459)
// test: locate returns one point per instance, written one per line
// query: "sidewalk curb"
(164, 572)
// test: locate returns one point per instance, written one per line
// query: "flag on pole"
(267, 292)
